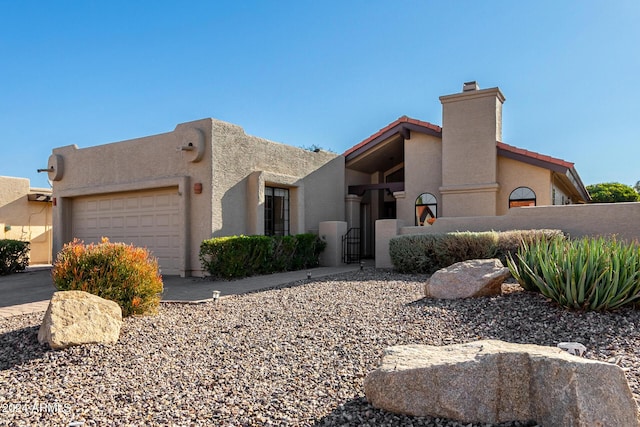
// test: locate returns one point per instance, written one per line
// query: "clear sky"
(327, 73)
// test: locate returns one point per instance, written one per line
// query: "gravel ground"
(293, 356)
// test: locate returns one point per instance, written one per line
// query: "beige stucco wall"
(232, 168)
(243, 165)
(422, 173)
(139, 164)
(513, 174)
(576, 220)
(21, 219)
(599, 219)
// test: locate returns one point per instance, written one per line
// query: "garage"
(149, 219)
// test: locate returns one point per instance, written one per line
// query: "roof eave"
(569, 172)
(403, 128)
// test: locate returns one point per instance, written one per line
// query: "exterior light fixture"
(308, 275)
(216, 296)
(197, 188)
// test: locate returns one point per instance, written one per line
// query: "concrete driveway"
(32, 289)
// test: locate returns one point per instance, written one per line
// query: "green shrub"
(427, 253)
(122, 273)
(589, 273)
(463, 246)
(510, 241)
(242, 256)
(414, 253)
(14, 256)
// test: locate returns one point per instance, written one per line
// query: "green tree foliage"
(612, 192)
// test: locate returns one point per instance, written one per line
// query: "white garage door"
(147, 219)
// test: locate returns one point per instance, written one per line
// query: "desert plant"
(588, 273)
(118, 272)
(14, 256)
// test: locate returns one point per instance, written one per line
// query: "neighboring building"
(25, 214)
(414, 170)
(207, 178)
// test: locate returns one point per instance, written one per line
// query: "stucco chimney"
(471, 125)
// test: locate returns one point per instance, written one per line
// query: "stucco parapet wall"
(463, 96)
(279, 179)
(181, 182)
(598, 219)
(470, 188)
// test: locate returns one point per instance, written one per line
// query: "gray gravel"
(293, 356)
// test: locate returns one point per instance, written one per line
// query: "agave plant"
(588, 273)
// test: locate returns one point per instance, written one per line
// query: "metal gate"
(351, 246)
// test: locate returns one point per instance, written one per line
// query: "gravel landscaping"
(293, 356)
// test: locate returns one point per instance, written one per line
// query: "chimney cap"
(470, 86)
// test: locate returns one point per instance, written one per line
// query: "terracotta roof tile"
(403, 119)
(534, 155)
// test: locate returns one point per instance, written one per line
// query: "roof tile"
(534, 155)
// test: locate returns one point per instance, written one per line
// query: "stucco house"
(414, 170)
(207, 178)
(25, 214)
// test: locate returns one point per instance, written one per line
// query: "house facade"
(416, 171)
(207, 178)
(25, 214)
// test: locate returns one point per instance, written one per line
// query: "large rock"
(77, 317)
(473, 278)
(493, 381)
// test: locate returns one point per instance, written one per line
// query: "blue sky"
(327, 73)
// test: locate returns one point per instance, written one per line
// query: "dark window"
(276, 211)
(426, 208)
(397, 176)
(522, 196)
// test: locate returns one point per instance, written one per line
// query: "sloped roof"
(404, 125)
(506, 148)
(397, 126)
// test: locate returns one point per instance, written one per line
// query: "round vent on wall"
(56, 167)
(192, 144)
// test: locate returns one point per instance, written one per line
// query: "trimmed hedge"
(14, 256)
(242, 256)
(118, 272)
(427, 253)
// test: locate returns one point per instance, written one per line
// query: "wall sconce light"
(55, 201)
(197, 188)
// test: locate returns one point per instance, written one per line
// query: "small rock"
(77, 317)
